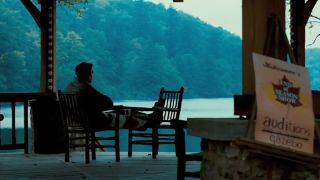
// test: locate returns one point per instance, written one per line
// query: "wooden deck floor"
(52, 166)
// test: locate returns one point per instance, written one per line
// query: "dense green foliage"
(19, 49)
(313, 66)
(136, 48)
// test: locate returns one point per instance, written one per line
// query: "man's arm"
(103, 100)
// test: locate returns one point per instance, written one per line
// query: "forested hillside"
(313, 65)
(136, 48)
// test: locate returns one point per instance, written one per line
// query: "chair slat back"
(172, 103)
(72, 111)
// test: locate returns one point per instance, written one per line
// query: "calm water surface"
(218, 107)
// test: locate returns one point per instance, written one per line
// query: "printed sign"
(284, 102)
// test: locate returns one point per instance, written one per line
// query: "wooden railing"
(13, 99)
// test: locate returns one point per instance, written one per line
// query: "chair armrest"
(135, 108)
(165, 109)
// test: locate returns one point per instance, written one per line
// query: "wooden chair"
(77, 128)
(169, 103)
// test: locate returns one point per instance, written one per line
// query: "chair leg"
(155, 142)
(117, 144)
(181, 169)
(93, 145)
(181, 153)
(179, 141)
(87, 148)
(129, 142)
(66, 149)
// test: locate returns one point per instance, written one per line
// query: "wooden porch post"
(299, 13)
(46, 20)
(47, 131)
(255, 15)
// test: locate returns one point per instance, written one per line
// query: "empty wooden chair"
(78, 132)
(169, 103)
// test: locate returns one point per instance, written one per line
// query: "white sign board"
(284, 104)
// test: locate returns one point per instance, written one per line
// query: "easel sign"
(284, 104)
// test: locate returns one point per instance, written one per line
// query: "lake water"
(218, 107)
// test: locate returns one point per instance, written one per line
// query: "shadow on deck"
(52, 166)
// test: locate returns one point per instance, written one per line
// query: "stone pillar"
(221, 160)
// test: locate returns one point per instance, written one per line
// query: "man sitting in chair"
(95, 103)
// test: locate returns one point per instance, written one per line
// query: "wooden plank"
(21, 97)
(11, 146)
(52, 166)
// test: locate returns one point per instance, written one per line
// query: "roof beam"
(307, 9)
(34, 11)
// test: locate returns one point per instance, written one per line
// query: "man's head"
(84, 72)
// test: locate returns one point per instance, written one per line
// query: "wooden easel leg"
(270, 171)
(286, 174)
(317, 134)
